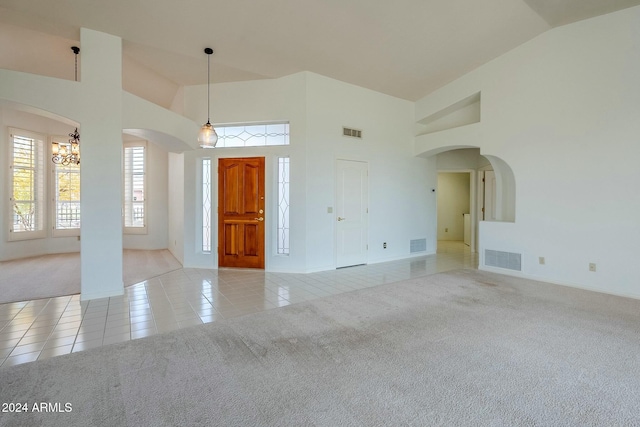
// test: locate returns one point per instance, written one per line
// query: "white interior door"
(352, 198)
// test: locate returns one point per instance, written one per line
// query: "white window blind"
(27, 185)
(134, 186)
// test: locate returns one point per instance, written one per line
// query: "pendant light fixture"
(207, 138)
(68, 153)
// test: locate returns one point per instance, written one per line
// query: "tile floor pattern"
(38, 329)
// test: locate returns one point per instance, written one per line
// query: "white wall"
(562, 111)
(175, 220)
(399, 183)
(317, 108)
(246, 102)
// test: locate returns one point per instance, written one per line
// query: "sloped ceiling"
(406, 48)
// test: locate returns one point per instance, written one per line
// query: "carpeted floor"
(56, 275)
(458, 348)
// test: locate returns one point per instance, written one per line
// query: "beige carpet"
(464, 348)
(56, 275)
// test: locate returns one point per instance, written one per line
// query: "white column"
(101, 171)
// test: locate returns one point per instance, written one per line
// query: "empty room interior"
(319, 213)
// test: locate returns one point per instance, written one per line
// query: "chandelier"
(67, 153)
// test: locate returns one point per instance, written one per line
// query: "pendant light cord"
(76, 50)
(208, 88)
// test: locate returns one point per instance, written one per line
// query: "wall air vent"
(417, 245)
(353, 133)
(508, 260)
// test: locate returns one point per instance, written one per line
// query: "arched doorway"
(499, 194)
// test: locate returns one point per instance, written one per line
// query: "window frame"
(41, 231)
(133, 229)
(59, 232)
(283, 218)
(206, 225)
(220, 128)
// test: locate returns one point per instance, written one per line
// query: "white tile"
(22, 358)
(189, 297)
(55, 351)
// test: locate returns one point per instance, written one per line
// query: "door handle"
(259, 219)
(341, 219)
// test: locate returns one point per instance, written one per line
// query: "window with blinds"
(135, 218)
(66, 190)
(27, 185)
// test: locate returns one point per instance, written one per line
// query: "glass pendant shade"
(207, 138)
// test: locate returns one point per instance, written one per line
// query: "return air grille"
(508, 260)
(354, 133)
(418, 245)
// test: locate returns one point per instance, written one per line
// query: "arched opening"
(505, 190)
(489, 195)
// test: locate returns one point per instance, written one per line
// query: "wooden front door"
(241, 212)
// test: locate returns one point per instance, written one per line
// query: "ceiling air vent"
(354, 133)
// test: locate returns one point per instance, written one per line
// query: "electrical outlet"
(384, 245)
(541, 260)
(592, 266)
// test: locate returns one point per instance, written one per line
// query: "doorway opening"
(455, 199)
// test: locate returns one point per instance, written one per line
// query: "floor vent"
(418, 245)
(508, 260)
(354, 133)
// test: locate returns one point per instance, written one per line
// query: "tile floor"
(38, 329)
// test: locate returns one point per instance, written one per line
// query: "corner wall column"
(101, 171)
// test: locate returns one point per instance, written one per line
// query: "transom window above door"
(253, 135)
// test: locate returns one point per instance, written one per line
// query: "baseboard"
(506, 272)
(98, 295)
(401, 257)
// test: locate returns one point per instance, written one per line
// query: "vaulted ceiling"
(404, 48)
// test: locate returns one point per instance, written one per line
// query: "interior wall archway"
(505, 181)
(505, 189)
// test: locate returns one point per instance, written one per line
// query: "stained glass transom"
(253, 135)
